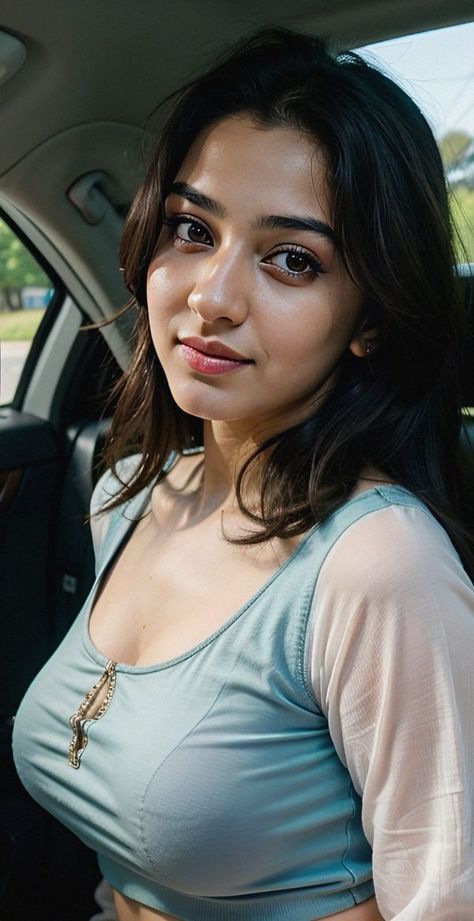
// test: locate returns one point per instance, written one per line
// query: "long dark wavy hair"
(399, 409)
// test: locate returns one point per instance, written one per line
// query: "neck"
(226, 449)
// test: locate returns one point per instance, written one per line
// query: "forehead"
(271, 170)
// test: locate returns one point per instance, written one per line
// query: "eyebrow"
(276, 221)
(197, 198)
(266, 222)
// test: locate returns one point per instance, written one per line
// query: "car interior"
(79, 88)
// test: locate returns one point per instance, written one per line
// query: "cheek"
(161, 284)
(313, 340)
(165, 298)
(304, 333)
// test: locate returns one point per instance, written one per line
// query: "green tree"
(462, 210)
(452, 145)
(18, 268)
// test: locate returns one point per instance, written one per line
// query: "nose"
(218, 289)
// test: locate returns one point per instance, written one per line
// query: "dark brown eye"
(191, 231)
(196, 233)
(296, 262)
(188, 230)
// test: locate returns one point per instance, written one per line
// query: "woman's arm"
(392, 666)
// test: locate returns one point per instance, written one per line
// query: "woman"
(266, 698)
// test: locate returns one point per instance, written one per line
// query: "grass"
(19, 325)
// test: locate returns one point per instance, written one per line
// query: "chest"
(167, 592)
(220, 739)
(209, 773)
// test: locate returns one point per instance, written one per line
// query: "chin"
(207, 406)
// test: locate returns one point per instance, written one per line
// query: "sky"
(437, 69)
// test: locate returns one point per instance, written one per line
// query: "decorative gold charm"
(94, 705)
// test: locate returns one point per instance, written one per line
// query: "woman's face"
(250, 306)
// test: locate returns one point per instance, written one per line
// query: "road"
(12, 359)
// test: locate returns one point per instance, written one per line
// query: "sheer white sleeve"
(391, 649)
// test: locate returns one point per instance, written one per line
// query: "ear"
(364, 342)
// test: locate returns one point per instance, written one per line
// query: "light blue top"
(210, 787)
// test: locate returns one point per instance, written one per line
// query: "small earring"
(368, 347)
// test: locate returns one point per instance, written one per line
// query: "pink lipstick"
(211, 357)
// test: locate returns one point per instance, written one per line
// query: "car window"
(25, 293)
(435, 68)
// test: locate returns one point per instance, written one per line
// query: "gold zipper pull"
(94, 705)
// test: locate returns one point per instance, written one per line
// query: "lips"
(211, 357)
(213, 348)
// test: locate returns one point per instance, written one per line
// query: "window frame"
(46, 323)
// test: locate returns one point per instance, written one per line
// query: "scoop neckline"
(102, 659)
(125, 667)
